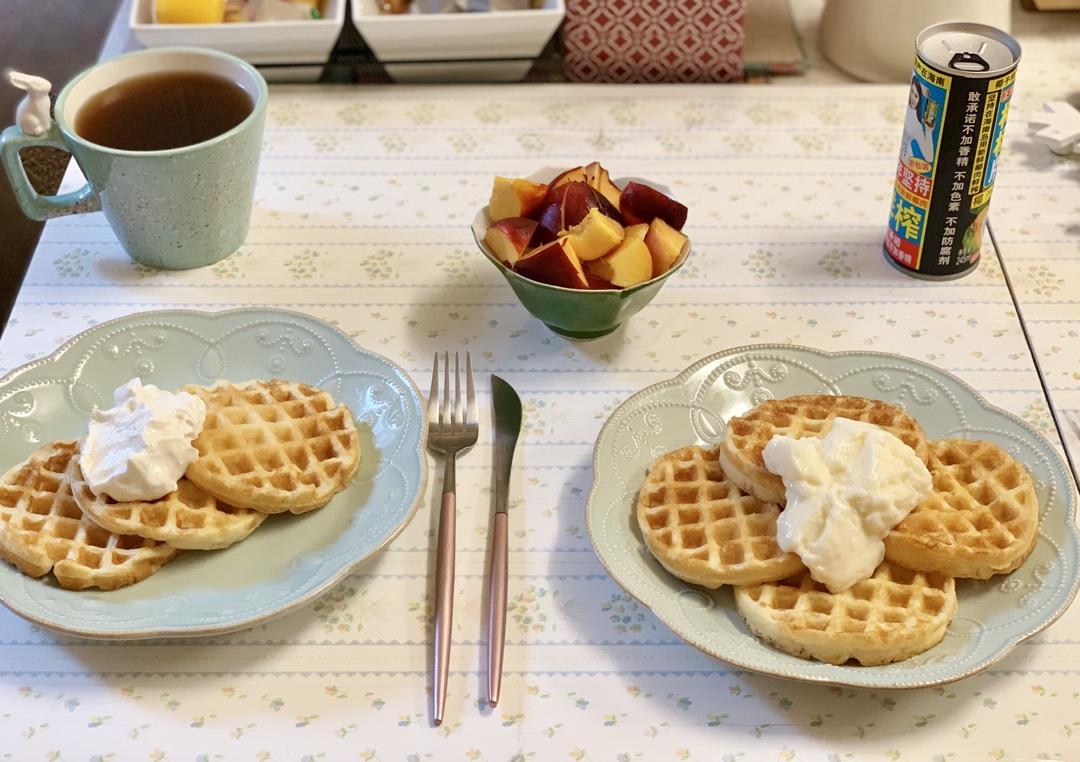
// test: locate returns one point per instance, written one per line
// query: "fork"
(450, 431)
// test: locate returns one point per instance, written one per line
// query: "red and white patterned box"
(653, 40)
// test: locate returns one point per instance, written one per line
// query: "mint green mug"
(174, 209)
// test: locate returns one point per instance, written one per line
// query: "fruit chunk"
(597, 284)
(665, 244)
(567, 205)
(640, 203)
(509, 238)
(597, 177)
(514, 198)
(541, 236)
(629, 265)
(555, 263)
(637, 231)
(575, 175)
(595, 236)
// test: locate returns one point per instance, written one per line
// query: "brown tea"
(156, 112)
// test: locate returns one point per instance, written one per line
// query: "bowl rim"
(324, 22)
(359, 16)
(483, 216)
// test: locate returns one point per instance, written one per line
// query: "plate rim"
(983, 664)
(290, 606)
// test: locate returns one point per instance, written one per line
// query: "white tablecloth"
(361, 219)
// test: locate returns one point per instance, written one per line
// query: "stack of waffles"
(709, 517)
(266, 447)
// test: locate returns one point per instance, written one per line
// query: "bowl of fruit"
(582, 252)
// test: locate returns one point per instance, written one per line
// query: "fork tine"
(472, 417)
(433, 397)
(444, 415)
(459, 412)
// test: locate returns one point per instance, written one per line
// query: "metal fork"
(450, 431)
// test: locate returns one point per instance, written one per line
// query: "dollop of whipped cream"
(845, 491)
(139, 448)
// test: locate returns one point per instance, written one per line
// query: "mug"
(173, 209)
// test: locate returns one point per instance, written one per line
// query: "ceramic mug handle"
(35, 205)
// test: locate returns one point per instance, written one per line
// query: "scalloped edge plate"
(224, 590)
(694, 406)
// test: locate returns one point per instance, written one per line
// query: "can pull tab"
(968, 62)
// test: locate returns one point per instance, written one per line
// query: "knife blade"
(507, 425)
(507, 407)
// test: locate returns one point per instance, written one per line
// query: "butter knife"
(507, 413)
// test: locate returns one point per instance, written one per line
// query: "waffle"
(893, 615)
(703, 529)
(273, 446)
(42, 528)
(745, 437)
(981, 519)
(185, 518)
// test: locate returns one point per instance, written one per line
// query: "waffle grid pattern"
(981, 519)
(894, 614)
(42, 528)
(274, 446)
(186, 518)
(704, 529)
(745, 437)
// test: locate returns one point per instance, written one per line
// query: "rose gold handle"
(496, 624)
(444, 600)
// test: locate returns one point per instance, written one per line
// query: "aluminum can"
(954, 125)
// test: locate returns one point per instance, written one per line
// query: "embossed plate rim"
(290, 605)
(910, 680)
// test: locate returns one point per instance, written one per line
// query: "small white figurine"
(32, 115)
(1058, 126)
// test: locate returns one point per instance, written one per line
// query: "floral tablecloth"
(362, 213)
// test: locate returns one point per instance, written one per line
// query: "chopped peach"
(567, 205)
(575, 175)
(509, 238)
(629, 265)
(598, 284)
(666, 245)
(640, 203)
(515, 198)
(555, 263)
(597, 177)
(595, 236)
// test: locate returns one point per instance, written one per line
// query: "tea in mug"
(157, 112)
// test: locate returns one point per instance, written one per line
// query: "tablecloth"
(363, 204)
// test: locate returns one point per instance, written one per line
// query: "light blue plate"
(993, 616)
(289, 560)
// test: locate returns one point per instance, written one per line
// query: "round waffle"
(895, 614)
(185, 518)
(808, 415)
(704, 529)
(42, 528)
(273, 446)
(981, 519)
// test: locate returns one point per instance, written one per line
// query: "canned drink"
(953, 130)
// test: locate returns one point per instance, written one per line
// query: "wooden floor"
(54, 39)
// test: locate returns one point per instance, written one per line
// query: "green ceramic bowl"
(571, 312)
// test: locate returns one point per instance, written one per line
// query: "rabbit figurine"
(32, 114)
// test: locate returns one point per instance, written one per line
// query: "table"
(361, 219)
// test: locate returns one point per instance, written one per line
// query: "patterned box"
(653, 40)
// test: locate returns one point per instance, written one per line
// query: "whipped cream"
(139, 448)
(845, 491)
